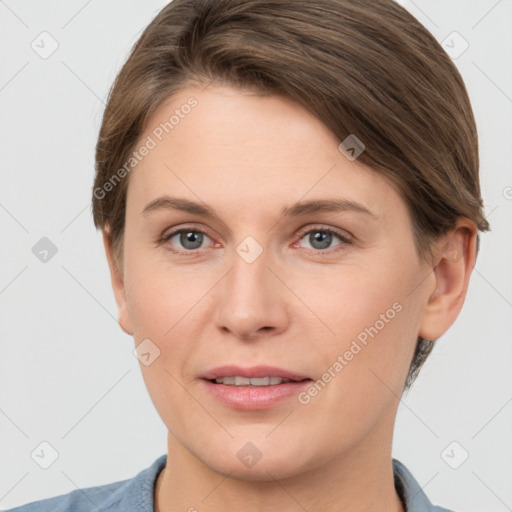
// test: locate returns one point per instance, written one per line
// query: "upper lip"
(251, 372)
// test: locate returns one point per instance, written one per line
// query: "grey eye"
(189, 239)
(320, 239)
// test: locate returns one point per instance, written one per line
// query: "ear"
(117, 285)
(455, 256)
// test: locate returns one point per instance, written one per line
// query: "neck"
(361, 480)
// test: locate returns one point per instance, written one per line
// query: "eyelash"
(344, 239)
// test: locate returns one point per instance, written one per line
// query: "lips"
(254, 375)
(254, 381)
(254, 388)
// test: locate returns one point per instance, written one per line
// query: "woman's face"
(293, 262)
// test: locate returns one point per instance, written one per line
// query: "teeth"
(242, 381)
(263, 381)
(254, 381)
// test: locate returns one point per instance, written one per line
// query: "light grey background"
(68, 375)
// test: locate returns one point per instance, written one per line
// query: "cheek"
(372, 319)
(361, 369)
(164, 307)
(161, 299)
(167, 306)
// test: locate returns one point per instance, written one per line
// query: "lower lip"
(254, 397)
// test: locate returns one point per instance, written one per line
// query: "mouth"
(252, 376)
(257, 387)
(251, 382)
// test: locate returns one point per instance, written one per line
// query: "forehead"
(225, 146)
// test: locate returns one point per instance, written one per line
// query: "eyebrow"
(301, 208)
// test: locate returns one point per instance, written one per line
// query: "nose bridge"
(249, 269)
(250, 300)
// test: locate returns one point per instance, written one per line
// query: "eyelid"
(344, 236)
(165, 239)
(345, 239)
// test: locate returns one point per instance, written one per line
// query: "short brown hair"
(364, 68)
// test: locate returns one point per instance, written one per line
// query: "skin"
(292, 307)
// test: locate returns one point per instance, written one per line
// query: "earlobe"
(117, 285)
(455, 258)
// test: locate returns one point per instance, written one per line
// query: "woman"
(289, 200)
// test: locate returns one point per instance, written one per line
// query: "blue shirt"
(136, 494)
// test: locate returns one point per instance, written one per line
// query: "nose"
(251, 302)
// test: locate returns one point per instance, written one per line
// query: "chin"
(262, 471)
(260, 460)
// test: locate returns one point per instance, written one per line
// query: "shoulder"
(411, 492)
(78, 500)
(135, 493)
